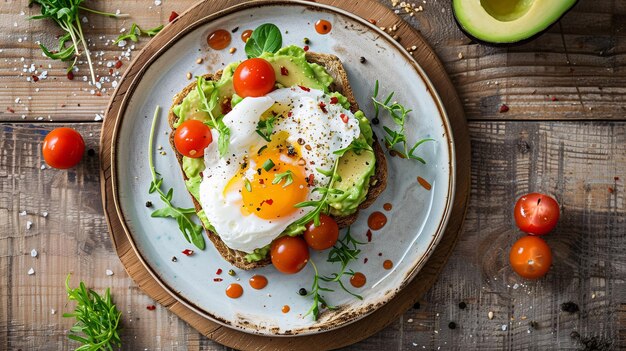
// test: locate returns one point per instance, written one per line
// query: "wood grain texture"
(351, 333)
(579, 62)
(575, 162)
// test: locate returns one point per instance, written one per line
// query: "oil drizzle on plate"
(323, 26)
(377, 220)
(388, 264)
(387, 206)
(258, 282)
(358, 280)
(286, 309)
(423, 182)
(234, 291)
(246, 35)
(218, 39)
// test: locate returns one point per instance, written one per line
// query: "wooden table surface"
(565, 134)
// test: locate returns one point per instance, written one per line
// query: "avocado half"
(502, 22)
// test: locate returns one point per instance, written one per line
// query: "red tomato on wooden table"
(63, 148)
(536, 213)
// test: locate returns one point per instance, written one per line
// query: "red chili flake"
(219, 271)
(554, 98)
(151, 307)
(217, 279)
(306, 48)
(611, 190)
(344, 118)
(261, 181)
(322, 106)
(187, 252)
(118, 64)
(173, 16)
(10, 110)
(269, 202)
(334, 100)
(304, 88)
(289, 114)
(311, 179)
(504, 108)
(70, 75)
(616, 178)
(365, 260)
(284, 71)
(372, 21)
(369, 235)
(110, 70)
(98, 93)
(35, 78)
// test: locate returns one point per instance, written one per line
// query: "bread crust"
(378, 181)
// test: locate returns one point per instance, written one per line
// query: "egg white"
(324, 132)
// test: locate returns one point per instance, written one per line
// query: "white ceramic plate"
(416, 221)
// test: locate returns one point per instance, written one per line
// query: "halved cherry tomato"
(531, 257)
(63, 148)
(289, 254)
(323, 236)
(254, 77)
(536, 213)
(192, 137)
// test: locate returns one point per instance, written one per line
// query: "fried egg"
(250, 203)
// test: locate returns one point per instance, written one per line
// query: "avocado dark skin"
(517, 43)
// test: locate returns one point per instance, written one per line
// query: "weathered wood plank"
(577, 163)
(580, 62)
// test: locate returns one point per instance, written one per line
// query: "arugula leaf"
(287, 176)
(191, 231)
(97, 318)
(66, 14)
(265, 127)
(207, 105)
(135, 31)
(317, 297)
(265, 38)
(397, 137)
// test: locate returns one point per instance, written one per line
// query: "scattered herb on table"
(183, 216)
(97, 319)
(397, 137)
(265, 38)
(66, 13)
(136, 31)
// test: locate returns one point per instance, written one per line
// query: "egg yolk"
(273, 193)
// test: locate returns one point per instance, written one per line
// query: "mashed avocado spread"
(354, 169)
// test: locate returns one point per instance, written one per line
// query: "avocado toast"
(340, 84)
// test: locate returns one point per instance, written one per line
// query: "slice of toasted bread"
(378, 181)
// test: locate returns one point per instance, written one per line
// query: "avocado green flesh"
(508, 21)
(354, 170)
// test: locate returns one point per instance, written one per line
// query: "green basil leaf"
(265, 38)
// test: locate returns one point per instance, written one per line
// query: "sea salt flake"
(53, 311)
(504, 327)
(23, 213)
(157, 2)
(44, 213)
(43, 167)
(31, 271)
(33, 253)
(98, 117)
(29, 225)
(109, 272)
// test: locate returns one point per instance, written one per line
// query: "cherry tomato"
(192, 137)
(254, 77)
(531, 257)
(324, 236)
(63, 148)
(536, 213)
(289, 254)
